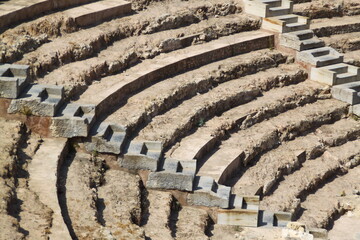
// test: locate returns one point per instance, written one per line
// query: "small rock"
(301, 227)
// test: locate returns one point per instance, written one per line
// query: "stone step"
(142, 155)
(312, 174)
(320, 57)
(98, 11)
(251, 202)
(268, 8)
(160, 99)
(296, 26)
(146, 30)
(278, 11)
(273, 219)
(191, 113)
(347, 42)
(272, 166)
(244, 211)
(303, 34)
(238, 217)
(243, 146)
(198, 144)
(208, 193)
(272, 3)
(290, 18)
(13, 80)
(73, 120)
(39, 100)
(326, 27)
(110, 90)
(348, 92)
(18, 11)
(117, 55)
(174, 174)
(335, 74)
(286, 23)
(324, 205)
(311, 43)
(106, 138)
(301, 40)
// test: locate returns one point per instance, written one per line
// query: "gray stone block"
(348, 92)
(355, 109)
(208, 193)
(281, 219)
(106, 138)
(238, 217)
(74, 120)
(268, 8)
(251, 202)
(175, 174)
(336, 74)
(319, 233)
(142, 155)
(40, 100)
(301, 40)
(320, 57)
(13, 79)
(266, 219)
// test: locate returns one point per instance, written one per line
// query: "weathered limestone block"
(301, 40)
(355, 109)
(13, 79)
(142, 155)
(40, 100)
(282, 219)
(266, 218)
(320, 57)
(175, 174)
(336, 74)
(208, 193)
(348, 93)
(239, 217)
(98, 12)
(319, 233)
(263, 8)
(286, 23)
(74, 121)
(106, 138)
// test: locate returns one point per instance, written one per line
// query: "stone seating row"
(92, 12)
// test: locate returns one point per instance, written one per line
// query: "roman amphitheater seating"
(220, 121)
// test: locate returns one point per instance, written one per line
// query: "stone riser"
(272, 139)
(100, 11)
(10, 14)
(264, 10)
(183, 63)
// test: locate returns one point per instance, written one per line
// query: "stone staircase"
(325, 63)
(301, 40)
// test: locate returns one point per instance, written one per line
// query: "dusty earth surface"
(293, 145)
